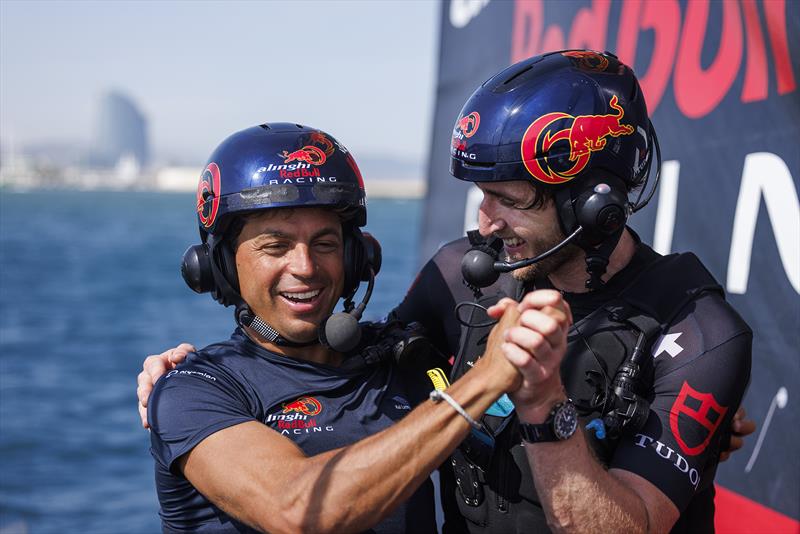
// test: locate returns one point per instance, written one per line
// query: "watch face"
(565, 421)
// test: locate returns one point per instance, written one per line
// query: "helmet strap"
(246, 318)
(597, 260)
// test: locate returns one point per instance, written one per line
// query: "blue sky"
(364, 71)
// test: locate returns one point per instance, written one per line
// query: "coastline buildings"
(117, 159)
(120, 159)
(121, 133)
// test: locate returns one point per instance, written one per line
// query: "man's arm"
(251, 472)
(576, 492)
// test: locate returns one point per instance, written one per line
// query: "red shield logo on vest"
(693, 418)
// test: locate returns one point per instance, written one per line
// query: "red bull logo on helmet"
(468, 124)
(318, 139)
(208, 193)
(586, 134)
(588, 60)
(308, 154)
(303, 405)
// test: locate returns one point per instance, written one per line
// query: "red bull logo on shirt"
(297, 417)
(586, 134)
(303, 405)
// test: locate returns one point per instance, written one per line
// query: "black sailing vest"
(494, 486)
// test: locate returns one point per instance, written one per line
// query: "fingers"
(155, 366)
(545, 298)
(540, 332)
(179, 353)
(496, 311)
(143, 416)
(531, 369)
(742, 426)
(143, 389)
(152, 369)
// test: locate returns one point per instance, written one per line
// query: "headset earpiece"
(196, 268)
(599, 206)
(362, 253)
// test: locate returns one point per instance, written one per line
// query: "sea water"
(89, 285)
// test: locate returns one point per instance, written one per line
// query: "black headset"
(597, 204)
(218, 275)
(211, 267)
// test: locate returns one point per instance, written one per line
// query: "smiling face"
(526, 231)
(291, 269)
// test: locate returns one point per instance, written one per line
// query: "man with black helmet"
(622, 430)
(275, 429)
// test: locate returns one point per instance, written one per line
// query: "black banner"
(720, 80)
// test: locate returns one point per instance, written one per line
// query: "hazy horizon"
(198, 71)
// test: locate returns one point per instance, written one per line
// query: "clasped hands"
(531, 336)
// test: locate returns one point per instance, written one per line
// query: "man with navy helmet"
(621, 420)
(622, 429)
(280, 428)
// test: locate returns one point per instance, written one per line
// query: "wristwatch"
(560, 424)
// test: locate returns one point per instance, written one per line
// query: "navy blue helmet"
(278, 165)
(555, 118)
(275, 165)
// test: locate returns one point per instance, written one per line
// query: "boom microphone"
(480, 267)
(341, 331)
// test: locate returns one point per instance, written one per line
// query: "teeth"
(303, 295)
(513, 242)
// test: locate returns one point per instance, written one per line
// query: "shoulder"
(705, 326)
(218, 370)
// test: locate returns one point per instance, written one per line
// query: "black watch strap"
(567, 425)
(538, 433)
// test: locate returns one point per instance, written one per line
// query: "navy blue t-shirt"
(319, 407)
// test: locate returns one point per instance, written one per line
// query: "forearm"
(580, 495)
(349, 489)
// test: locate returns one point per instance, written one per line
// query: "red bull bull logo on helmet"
(588, 60)
(586, 134)
(319, 139)
(208, 193)
(303, 405)
(468, 124)
(308, 154)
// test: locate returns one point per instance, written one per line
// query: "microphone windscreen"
(477, 268)
(342, 332)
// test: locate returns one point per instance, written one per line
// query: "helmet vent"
(634, 92)
(265, 126)
(518, 74)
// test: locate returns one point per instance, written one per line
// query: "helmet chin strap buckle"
(246, 318)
